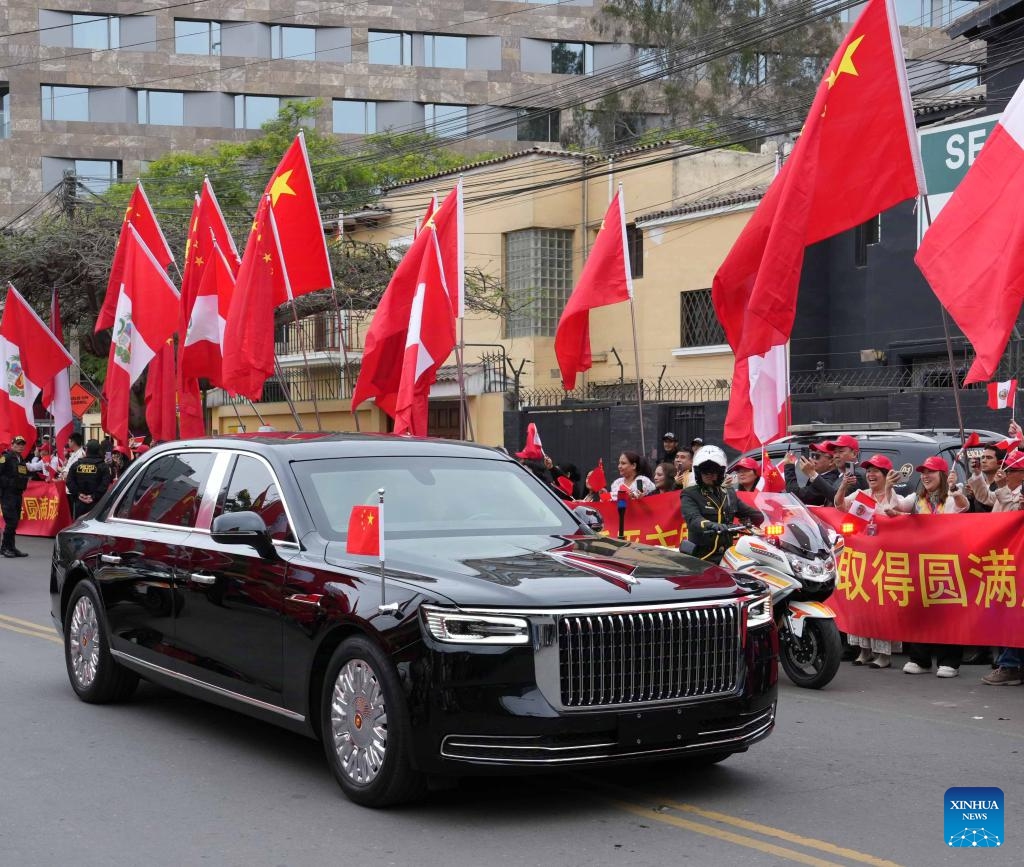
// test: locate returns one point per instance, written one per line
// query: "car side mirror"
(243, 528)
(590, 518)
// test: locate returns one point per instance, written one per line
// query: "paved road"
(854, 774)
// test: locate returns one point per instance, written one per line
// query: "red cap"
(747, 464)
(934, 463)
(565, 484)
(846, 441)
(824, 447)
(879, 462)
(1014, 461)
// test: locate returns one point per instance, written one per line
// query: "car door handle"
(200, 578)
(113, 559)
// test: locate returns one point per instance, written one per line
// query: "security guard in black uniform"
(13, 481)
(88, 480)
(709, 507)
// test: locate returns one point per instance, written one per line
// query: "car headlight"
(759, 612)
(459, 627)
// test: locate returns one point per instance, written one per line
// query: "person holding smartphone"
(822, 476)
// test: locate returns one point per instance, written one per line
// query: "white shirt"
(640, 486)
(76, 455)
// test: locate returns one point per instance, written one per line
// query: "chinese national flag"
(364, 531)
(139, 215)
(248, 348)
(384, 354)
(161, 409)
(772, 481)
(856, 156)
(297, 214)
(605, 279)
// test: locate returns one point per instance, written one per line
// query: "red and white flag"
(429, 340)
(856, 156)
(57, 392)
(145, 317)
(605, 279)
(301, 238)
(139, 214)
(31, 357)
(201, 350)
(973, 253)
(384, 353)
(862, 510)
(248, 344)
(1001, 395)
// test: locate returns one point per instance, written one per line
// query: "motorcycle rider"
(709, 507)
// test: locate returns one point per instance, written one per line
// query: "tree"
(766, 79)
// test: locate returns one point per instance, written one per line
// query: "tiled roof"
(504, 158)
(739, 197)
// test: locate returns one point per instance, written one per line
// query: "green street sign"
(948, 151)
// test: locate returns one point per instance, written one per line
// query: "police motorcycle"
(796, 555)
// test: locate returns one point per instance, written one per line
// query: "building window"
(864, 236)
(95, 31)
(65, 103)
(572, 58)
(97, 175)
(963, 77)
(394, 49)
(699, 326)
(650, 62)
(162, 107)
(196, 37)
(445, 52)
(292, 43)
(446, 121)
(355, 116)
(537, 124)
(5, 111)
(635, 247)
(251, 112)
(538, 279)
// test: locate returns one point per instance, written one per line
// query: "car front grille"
(648, 656)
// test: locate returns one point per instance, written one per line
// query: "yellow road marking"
(728, 836)
(28, 623)
(768, 831)
(35, 633)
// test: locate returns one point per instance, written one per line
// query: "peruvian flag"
(862, 510)
(301, 238)
(429, 340)
(973, 254)
(1001, 395)
(248, 343)
(31, 357)
(200, 353)
(605, 279)
(856, 156)
(145, 317)
(759, 399)
(139, 214)
(384, 353)
(207, 230)
(57, 392)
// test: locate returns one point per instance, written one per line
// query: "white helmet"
(710, 454)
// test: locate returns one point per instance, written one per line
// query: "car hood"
(545, 571)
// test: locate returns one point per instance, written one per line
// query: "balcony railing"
(320, 333)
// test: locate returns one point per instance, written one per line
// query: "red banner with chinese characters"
(939, 579)
(44, 509)
(656, 519)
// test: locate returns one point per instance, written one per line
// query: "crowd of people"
(87, 469)
(833, 475)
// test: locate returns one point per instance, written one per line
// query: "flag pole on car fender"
(384, 607)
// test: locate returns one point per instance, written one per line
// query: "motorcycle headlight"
(759, 612)
(796, 564)
(459, 627)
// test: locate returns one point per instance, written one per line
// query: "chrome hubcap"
(359, 722)
(83, 647)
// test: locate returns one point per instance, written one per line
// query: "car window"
(251, 488)
(168, 490)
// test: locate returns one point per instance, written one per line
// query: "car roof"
(312, 445)
(937, 436)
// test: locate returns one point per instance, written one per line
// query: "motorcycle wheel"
(812, 660)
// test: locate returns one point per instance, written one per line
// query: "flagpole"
(384, 607)
(632, 313)
(305, 362)
(460, 369)
(252, 406)
(287, 394)
(949, 342)
(238, 416)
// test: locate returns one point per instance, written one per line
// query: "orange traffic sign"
(81, 399)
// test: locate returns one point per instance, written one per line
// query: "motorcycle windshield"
(791, 524)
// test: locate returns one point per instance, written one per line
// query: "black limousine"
(501, 631)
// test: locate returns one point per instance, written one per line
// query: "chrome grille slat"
(640, 657)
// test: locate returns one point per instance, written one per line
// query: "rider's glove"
(718, 528)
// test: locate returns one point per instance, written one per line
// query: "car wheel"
(365, 726)
(94, 674)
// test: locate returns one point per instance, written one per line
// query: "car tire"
(365, 727)
(95, 675)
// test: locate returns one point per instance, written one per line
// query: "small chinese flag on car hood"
(364, 531)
